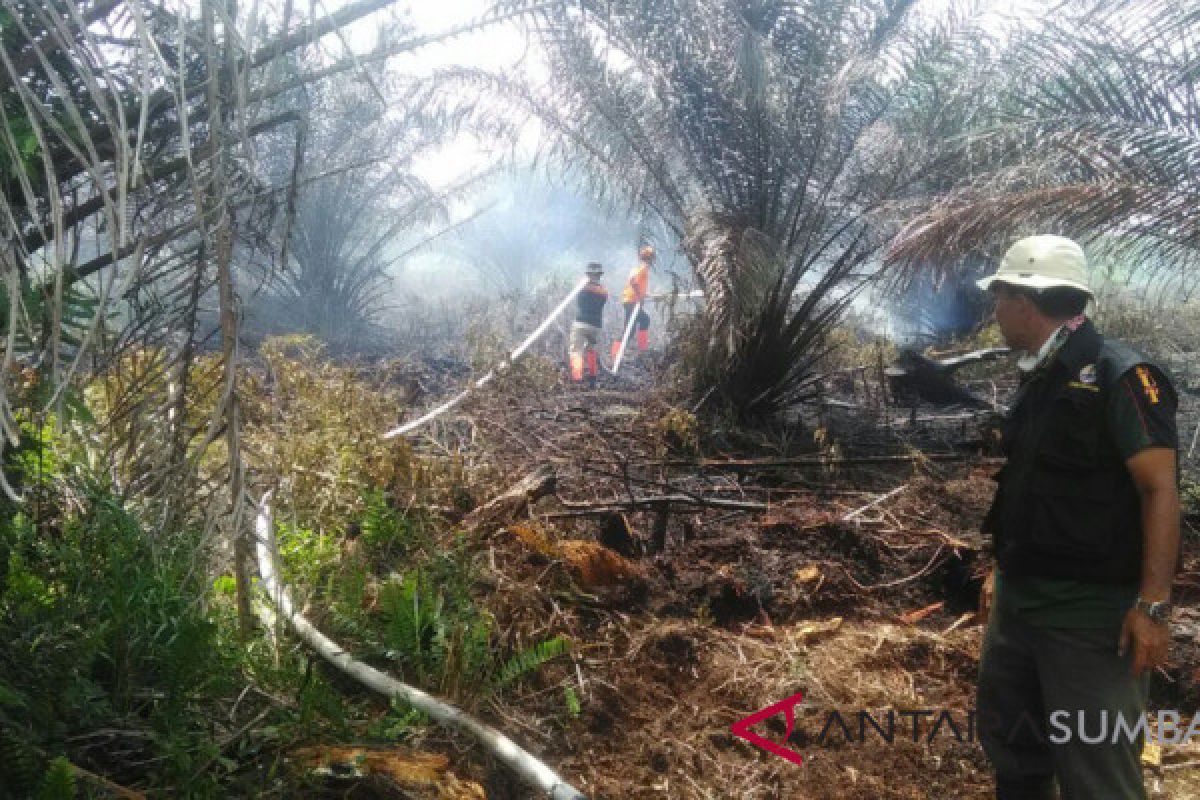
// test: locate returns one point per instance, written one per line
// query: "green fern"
(571, 698)
(530, 660)
(406, 613)
(59, 781)
(433, 629)
(387, 532)
(380, 524)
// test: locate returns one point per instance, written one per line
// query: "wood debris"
(515, 502)
(593, 564)
(913, 617)
(814, 629)
(422, 776)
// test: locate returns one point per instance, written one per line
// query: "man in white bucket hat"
(1042, 262)
(1085, 533)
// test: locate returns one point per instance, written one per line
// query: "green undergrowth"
(402, 592)
(121, 655)
(101, 627)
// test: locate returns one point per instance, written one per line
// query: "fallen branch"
(875, 502)
(515, 502)
(500, 746)
(595, 509)
(815, 461)
(925, 570)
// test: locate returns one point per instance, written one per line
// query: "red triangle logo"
(741, 728)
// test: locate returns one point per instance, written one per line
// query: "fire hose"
(625, 337)
(500, 746)
(492, 373)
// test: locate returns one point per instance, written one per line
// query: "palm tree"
(128, 133)
(771, 135)
(1098, 138)
(358, 204)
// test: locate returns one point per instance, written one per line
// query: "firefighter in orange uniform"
(588, 325)
(634, 293)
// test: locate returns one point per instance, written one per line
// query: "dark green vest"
(1066, 506)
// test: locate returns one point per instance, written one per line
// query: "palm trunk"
(221, 66)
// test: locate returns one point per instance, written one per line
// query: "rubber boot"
(643, 341)
(576, 367)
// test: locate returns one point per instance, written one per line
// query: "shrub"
(97, 623)
(318, 425)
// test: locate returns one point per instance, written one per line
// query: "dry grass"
(316, 427)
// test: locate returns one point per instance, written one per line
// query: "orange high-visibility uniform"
(634, 293)
(638, 284)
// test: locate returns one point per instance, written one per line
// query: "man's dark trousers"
(1027, 672)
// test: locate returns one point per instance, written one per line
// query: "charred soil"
(705, 574)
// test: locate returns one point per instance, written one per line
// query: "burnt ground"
(696, 616)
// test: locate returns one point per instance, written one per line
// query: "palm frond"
(1101, 145)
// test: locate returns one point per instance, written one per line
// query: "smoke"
(940, 304)
(529, 228)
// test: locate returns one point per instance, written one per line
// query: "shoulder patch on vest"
(1149, 385)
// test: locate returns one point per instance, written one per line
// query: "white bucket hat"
(1042, 262)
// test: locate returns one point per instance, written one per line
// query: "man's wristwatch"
(1157, 612)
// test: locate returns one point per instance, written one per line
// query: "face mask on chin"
(1028, 362)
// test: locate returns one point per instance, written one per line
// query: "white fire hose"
(479, 384)
(637, 310)
(504, 749)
